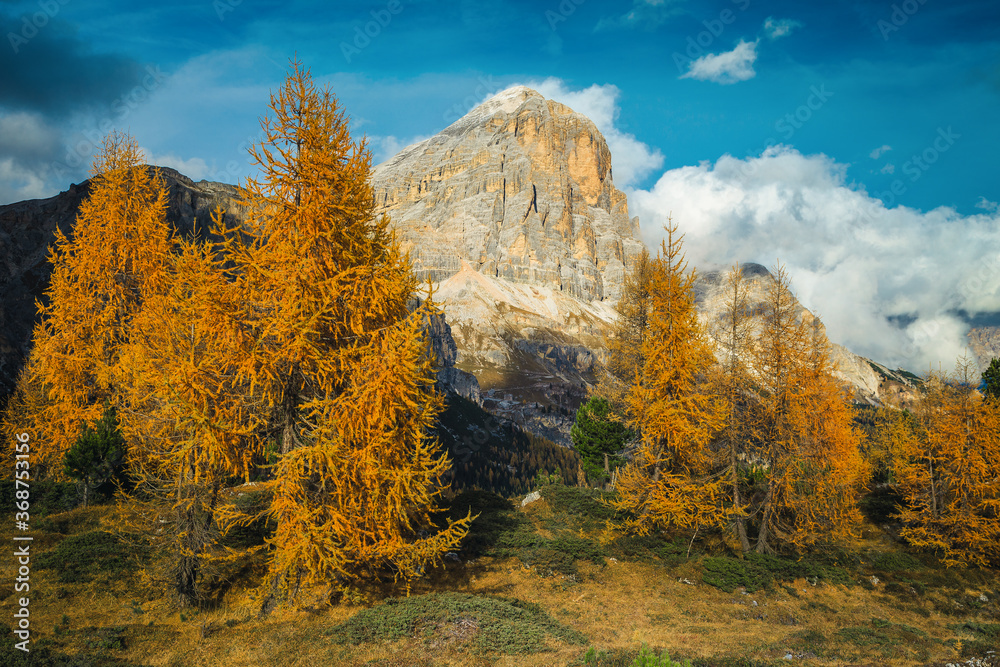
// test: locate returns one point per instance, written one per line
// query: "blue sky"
(890, 105)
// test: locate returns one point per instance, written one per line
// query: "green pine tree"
(596, 435)
(98, 456)
(991, 379)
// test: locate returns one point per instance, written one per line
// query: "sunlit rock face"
(519, 189)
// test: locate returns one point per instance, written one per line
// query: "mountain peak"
(519, 188)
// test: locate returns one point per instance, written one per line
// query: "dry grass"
(619, 606)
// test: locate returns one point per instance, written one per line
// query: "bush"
(79, 557)
(46, 497)
(98, 456)
(757, 571)
(487, 624)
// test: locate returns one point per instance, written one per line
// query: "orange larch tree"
(188, 416)
(805, 442)
(947, 471)
(339, 361)
(670, 482)
(732, 332)
(119, 252)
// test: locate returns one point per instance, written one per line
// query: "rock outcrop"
(872, 383)
(519, 189)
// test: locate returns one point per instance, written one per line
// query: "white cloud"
(18, 183)
(987, 205)
(632, 160)
(384, 147)
(777, 28)
(194, 168)
(884, 148)
(888, 168)
(28, 146)
(857, 264)
(725, 68)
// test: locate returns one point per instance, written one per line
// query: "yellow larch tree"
(808, 450)
(670, 482)
(118, 252)
(339, 362)
(732, 331)
(189, 418)
(946, 470)
(629, 330)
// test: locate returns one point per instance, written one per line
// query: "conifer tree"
(98, 455)
(118, 253)
(813, 466)
(340, 365)
(190, 417)
(732, 332)
(947, 471)
(599, 438)
(669, 483)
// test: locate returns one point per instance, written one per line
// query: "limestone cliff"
(519, 189)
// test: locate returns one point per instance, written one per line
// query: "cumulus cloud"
(727, 67)
(894, 284)
(884, 148)
(777, 28)
(194, 168)
(28, 146)
(888, 168)
(632, 160)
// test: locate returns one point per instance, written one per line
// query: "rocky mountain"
(27, 229)
(872, 382)
(519, 189)
(513, 214)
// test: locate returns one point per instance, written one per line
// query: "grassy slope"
(591, 587)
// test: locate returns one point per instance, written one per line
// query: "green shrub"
(46, 497)
(757, 571)
(79, 557)
(492, 624)
(98, 455)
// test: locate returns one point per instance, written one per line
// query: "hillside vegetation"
(233, 451)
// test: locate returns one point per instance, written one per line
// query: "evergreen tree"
(118, 254)
(599, 438)
(98, 455)
(669, 483)
(991, 379)
(340, 365)
(947, 471)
